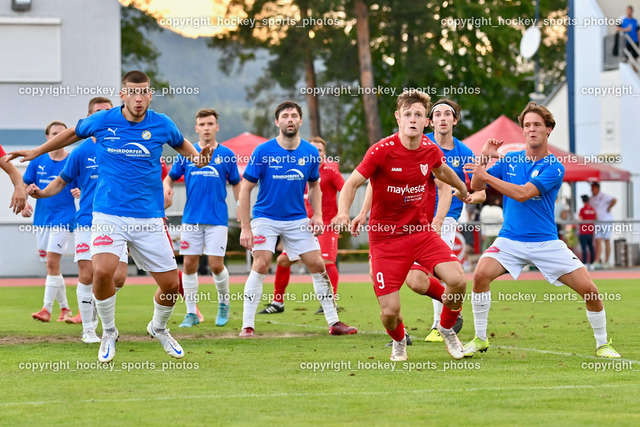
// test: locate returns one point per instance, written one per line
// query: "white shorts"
(82, 251)
(198, 239)
(553, 258)
(148, 240)
(52, 239)
(603, 230)
(449, 229)
(296, 236)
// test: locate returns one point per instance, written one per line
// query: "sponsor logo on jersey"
(406, 189)
(184, 244)
(259, 240)
(396, 169)
(137, 150)
(113, 131)
(82, 248)
(218, 160)
(91, 160)
(206, 171)
(424, 169)
(535, 173)
(301, 162)
(146, 134)
(290, 175)
(102, 241)
(455, 163)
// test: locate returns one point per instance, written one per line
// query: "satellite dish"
(530, 42)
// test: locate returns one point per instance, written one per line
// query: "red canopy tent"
(577, 168)
(243, 145)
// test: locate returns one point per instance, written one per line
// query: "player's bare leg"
(580, 281)
(164, 301)
(104, 290)
(283, 274)
(324, 292)
(453, 275)
(221, 280)
(253, 291)
(190, 286)
(487, 270)
(392, 321)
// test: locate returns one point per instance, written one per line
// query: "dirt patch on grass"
(60, 339)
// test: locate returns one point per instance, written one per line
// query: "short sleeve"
(29, 176)
(233, 175)
(72, 167)
(254, 169)
(371, 161)
(549, 178)
(177, 170)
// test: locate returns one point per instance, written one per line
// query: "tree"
(138, 52)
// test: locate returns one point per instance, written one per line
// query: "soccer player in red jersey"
(399, 167)
(330, 183)
(587, 213)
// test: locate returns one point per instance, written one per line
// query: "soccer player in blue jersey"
(82, 167)
(205, 219)
(129, 203)
(53, 219)
(530, 181)
(283, 166)
(444, 117)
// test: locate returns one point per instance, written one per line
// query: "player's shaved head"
(407, 99)
(546, 115)
(135, 76)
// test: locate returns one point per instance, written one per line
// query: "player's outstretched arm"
(246, 235)
(347, 195)
(50, 190)
(520, 193)
(445, 174)
(61, 140)
(167, 188)
(445, 195)
(315, 199)
(19, 197)
(200, 159)
(358, 222)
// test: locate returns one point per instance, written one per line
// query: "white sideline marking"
(338, 393)
(534, 350)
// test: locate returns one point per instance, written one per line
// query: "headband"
(446, 105)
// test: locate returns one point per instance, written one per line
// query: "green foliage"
(138, 51)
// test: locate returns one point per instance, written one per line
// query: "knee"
(316, 266)
(283, 261)
(389, 312)
(216, 267)
(260, 266)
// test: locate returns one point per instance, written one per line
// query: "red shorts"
(391, 259)
(418, 267)
(329, 244)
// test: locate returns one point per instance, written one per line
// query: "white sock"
(481, 303)
(598, 322)
(222, 285)
(252, 296)
(61, 295)
(50, 292)
(85, 304)
(324, 293)
(161, 315)
(107, 312)
(437, 311)
(190, 286)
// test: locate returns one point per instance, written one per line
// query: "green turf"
(540, 368)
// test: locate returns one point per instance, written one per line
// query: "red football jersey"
(403, 199)
(331, 182)
(2, 153)
(587, 213)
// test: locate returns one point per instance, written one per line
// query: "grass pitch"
(540, 369)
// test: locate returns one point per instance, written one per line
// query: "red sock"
(435, 290)
(398, 333)
(448, 317)
(282, 280)
(332, 271)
